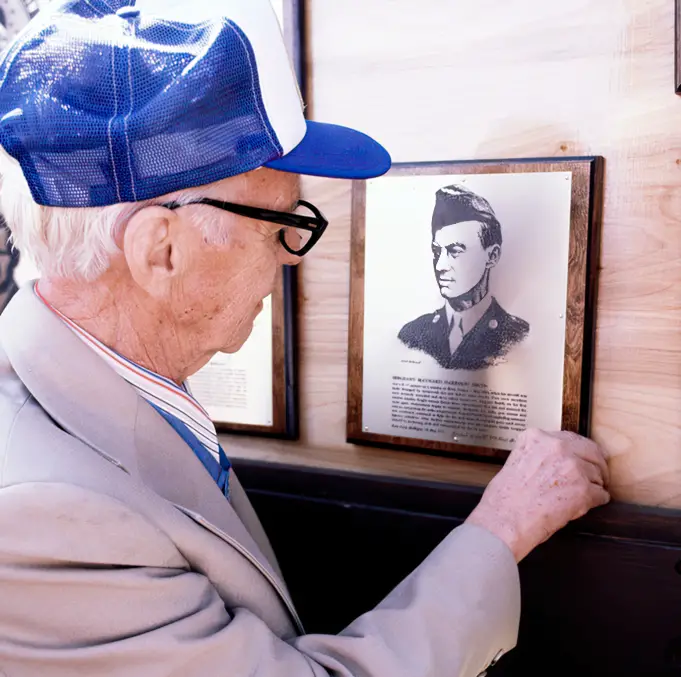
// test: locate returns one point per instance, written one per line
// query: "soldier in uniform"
(471, 331)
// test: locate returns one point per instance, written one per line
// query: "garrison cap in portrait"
(456, 204)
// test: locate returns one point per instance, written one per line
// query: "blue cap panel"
(107, 109)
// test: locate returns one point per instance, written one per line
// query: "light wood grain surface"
(445, 80)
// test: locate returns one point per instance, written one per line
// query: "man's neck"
(466, 301)
(125, 323)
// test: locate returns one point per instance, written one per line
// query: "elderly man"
(151, 165)
(471, 331)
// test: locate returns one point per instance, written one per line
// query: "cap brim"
(335, 151)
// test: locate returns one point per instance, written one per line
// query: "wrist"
(503, 527)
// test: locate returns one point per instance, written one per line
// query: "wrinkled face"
(459, 259)
(221, 293)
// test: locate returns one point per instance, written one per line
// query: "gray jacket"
(120, 557)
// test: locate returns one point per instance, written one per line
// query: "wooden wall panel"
(448, 79)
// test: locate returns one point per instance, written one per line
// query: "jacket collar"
(91, 402)
(470, 317)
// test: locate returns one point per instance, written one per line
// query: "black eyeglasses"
(313, 227)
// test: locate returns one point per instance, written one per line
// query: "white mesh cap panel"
(258, 20)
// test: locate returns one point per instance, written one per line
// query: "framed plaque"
(472, 303)
(253, 391)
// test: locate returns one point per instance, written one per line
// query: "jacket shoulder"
(59, 498)
(52, 522)
(13, 398)
(34, 448)
(517, 326)
(412, 332)
(512, 324)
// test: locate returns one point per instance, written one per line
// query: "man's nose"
(442, 262)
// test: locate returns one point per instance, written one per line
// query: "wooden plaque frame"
(584, 253)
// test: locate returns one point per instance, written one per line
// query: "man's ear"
(493, 255)
(150, 250)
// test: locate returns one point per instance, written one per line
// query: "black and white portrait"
(464, 301)
(470, 330)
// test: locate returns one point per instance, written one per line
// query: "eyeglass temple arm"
(311, 223)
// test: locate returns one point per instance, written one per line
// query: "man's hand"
(548, 480)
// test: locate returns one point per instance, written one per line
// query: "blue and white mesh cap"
(108, 101)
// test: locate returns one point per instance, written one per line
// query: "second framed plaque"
(472, 303)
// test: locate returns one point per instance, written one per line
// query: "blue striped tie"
(218, 471)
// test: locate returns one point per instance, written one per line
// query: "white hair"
(78, 242)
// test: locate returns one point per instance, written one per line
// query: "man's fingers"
(590, 451)
(592, 472)
(592, 454)
(598, 495)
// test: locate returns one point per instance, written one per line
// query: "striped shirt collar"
(156, 389)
